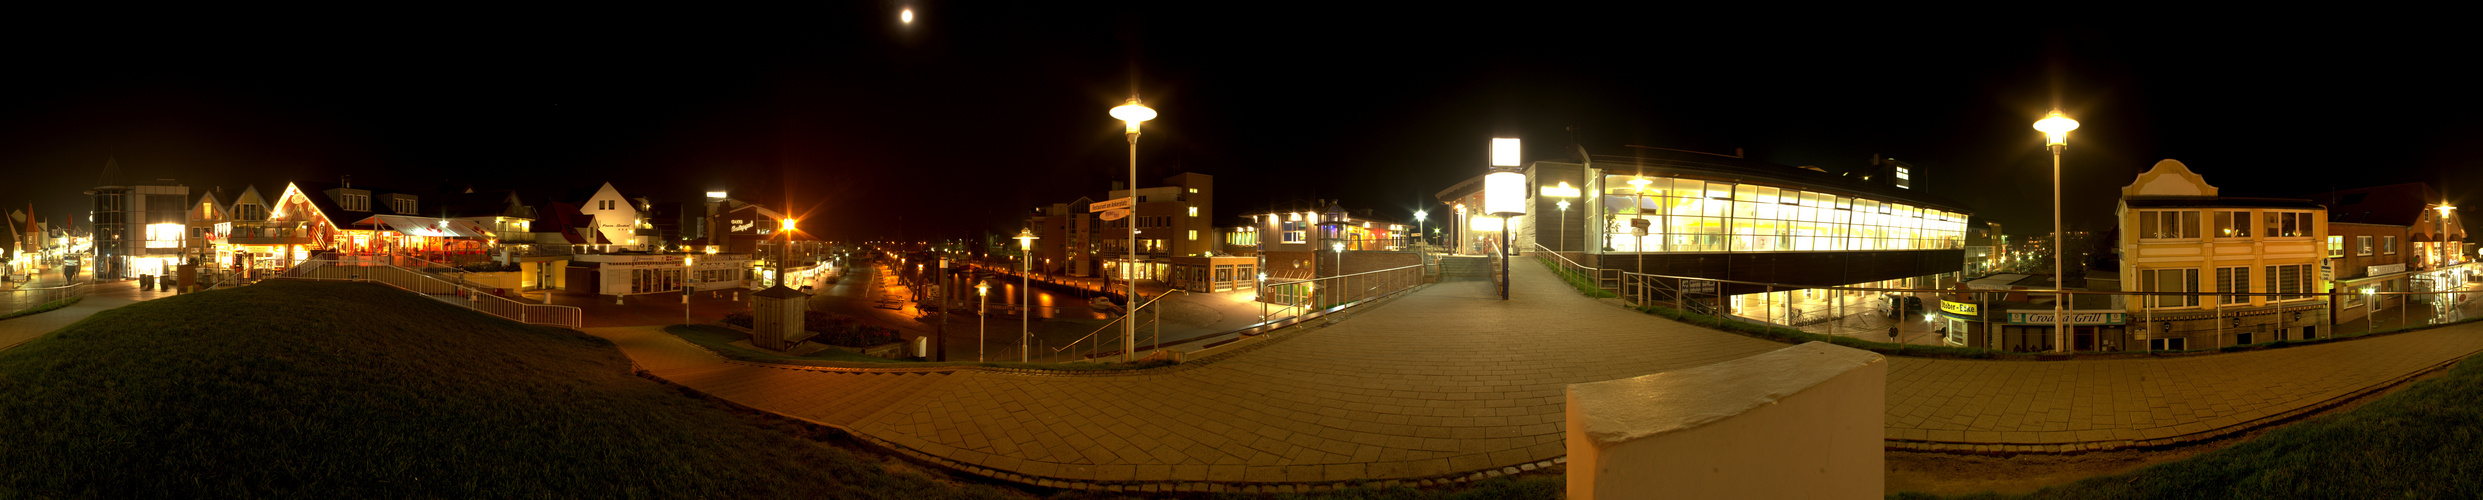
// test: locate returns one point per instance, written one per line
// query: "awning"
(421, 226)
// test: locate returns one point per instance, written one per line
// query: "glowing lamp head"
(2056, 128)
(906, 16)
(1419, 215)
(689, 261)
(1133, 112)
(1338, 246)
(1564, 205)
(982, 287)
(789, 224)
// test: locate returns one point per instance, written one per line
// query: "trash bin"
(146, 282)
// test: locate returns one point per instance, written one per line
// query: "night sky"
(964, 120)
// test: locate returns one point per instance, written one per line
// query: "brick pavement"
(1448, 381)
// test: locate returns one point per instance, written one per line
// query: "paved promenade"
(1449, 380)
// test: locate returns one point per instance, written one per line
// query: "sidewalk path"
(103, 296)
(1449, 380)
(1443, 381)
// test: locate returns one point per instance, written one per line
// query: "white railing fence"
(427, 284)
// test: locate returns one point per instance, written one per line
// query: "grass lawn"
(347, 390)
(2423, 442)
(720, 340)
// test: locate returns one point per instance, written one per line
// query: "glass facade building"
(1682, 214)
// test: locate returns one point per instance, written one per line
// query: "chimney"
(1737, 152)
(346, 180)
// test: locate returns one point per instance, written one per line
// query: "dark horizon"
(963, 121)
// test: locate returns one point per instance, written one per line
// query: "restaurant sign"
(1958, 308)
(2074, 317)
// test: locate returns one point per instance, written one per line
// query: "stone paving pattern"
(1449, 380)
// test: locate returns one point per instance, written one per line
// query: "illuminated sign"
(1958, 308)
(2074, 317)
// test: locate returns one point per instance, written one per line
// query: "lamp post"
(1563, 240)
(1418, 224)
(1502, 190)
(2056, 129)
(783, 252)
(1130, 114)
(982, 294)
(686, 263)
(1337, 289)
(1025, 291)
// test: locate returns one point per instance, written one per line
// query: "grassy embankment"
(2423, 442)
(298, 389)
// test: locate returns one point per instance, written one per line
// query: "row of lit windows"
(2180, 224)
(2296, 280)
(1690, 215)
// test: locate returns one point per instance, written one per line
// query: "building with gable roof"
(2394, 238)
(2180, 234)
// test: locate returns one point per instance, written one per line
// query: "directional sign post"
(1113, 209)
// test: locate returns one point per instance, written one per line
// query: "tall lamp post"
(1130, 114)
(686, 286)
(784, 252)
(2056, 129)
(1025, 291)
(982, 294)
(1503, 196)
(1564, 192)
(1418, 225)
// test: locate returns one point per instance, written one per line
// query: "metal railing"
(20, 299)
(1095, 349)
(1605, 279)
(2019, 320)
(436, 287)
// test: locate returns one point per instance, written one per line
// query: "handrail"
(1124, 315)
(1398, 268)
(559, 315)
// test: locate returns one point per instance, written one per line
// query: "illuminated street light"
(1131, 113)
(2056, 129)
(982, 292)
(1025, 290)
(1501, 198)
(686, 262)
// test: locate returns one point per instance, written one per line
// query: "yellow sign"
(1957, 308)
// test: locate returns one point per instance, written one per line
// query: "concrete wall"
(1800, 422)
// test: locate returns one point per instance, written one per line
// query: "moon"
(907, 16)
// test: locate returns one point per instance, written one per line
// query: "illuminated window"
(1193, 210)
(164, 235)
(1193, 235)
(1193, 190)
(2336, 246)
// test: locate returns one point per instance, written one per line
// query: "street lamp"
(2056, 129)
(1418, 224)
(1338, 293)
(982, 293)
(1025, 290)
(686, 262)
(1130, 114)
(1564, 192)
(783, 252)
(1501, 198)
(1564, 225)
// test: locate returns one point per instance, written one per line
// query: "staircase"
(1467, 268)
